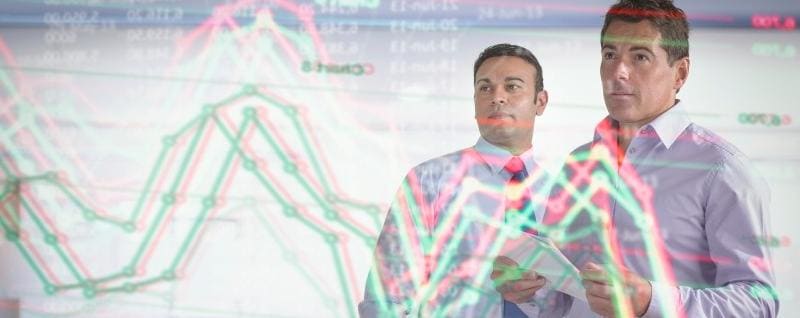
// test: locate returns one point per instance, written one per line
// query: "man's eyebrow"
(643, 48)
(611, 46)
(483, 80)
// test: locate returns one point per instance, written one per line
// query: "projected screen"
(237, 158)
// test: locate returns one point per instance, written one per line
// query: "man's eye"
(642, 58)
(608, 55)
(513, 87)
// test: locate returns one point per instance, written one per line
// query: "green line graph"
(126, 280)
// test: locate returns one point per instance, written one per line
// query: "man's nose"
(621, 69)
(499, 97)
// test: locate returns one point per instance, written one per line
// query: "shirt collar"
(671, 124)
(496, 157)
(667, 126)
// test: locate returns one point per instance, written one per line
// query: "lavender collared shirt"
(451, 202)
(709, 209)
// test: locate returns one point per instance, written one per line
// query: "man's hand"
(514, 284)
(599, 292)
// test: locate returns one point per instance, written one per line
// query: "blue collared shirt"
(686, 210)
(441, 234)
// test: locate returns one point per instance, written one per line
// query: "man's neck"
(627, 131)
(517, 150)
(625, 135)
(515, 147)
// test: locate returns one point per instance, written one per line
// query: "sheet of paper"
(541, 255)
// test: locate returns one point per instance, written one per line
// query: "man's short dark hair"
(506, 49)
(665, 17)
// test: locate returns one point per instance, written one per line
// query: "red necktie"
(515, 206)
(516, 203)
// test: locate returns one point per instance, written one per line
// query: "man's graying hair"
(668, 19)
(506, 49)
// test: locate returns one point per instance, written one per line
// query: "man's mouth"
(496, 119)
(621, 95)
(500, 116)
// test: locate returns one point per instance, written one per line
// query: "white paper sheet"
(550, 262)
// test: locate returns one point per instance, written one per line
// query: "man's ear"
(681, 73)
(540, 102)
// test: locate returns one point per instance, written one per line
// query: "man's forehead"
(637, 40)
(641, 33)
(651, 42)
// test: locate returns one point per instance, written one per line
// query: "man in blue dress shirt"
(435, 252)
(659, 213)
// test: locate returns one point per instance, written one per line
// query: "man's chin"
(622, 113)
(498, 134)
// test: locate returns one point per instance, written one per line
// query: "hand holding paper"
(514, 284)
(542, 256)
(636, 295)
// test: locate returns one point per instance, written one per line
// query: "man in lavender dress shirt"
(662, 216)
(434, 255)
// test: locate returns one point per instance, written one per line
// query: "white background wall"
(95, 106)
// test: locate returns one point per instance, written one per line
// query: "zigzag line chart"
(270, 139)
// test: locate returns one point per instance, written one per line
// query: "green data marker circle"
(129, 287)
(208, 202)
(331, 215)
(331, 238)
(12, 236)
(89, 292)
(52, 176)
(129, 227)
(743, 118)
(49, 289)
(168, 199)
(291, 111)
(249, 164)
(208, 109)
(290, 167)
(248, 89)
(371, 242)
(128, 271)
(249, 112)
(168, 275)
(50, 239)
(331, 198)
(168, 140)
(290, 211)
(89, 214)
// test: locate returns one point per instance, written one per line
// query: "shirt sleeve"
(736, 224)
(399, 265)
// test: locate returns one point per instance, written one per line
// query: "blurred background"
(236, 158)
